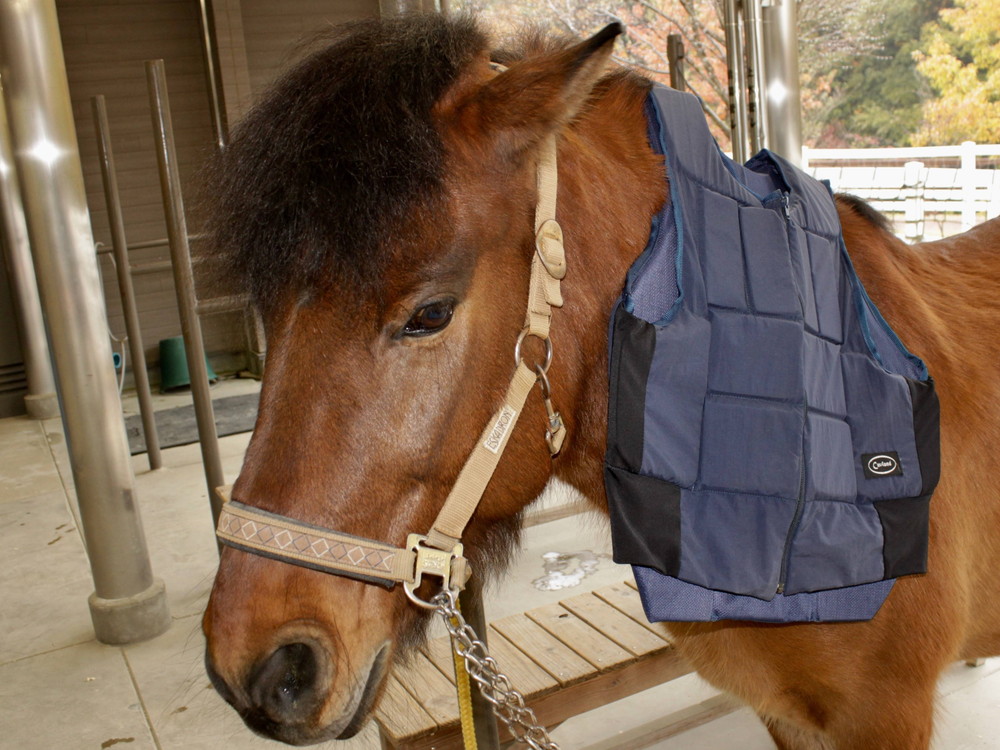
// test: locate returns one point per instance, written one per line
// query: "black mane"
(336, 154)
(865, 211)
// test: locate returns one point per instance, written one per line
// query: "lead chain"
(507, 702)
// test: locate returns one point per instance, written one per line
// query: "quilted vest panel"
(772, 445)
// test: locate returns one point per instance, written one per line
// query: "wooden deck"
(566, 658)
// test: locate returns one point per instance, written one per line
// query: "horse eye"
(430, 318)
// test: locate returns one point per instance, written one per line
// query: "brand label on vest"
(495, 439)
(881, 465)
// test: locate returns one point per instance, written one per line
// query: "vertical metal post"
(756, 77)
(212, 75)
(180, 257)
(256, 340)
(41, 401)
(128, 603)
(781, 75)
(471, 602)
(122, 268)
(675, 58)
(738, 122)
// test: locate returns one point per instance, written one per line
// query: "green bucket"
(173, 365)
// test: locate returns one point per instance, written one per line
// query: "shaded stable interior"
(106, 43)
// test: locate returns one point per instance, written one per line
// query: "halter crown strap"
(439, 553)
(544, 293)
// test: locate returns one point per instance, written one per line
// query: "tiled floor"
(59, 688)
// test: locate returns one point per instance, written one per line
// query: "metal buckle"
(549, 245)
(430, 561)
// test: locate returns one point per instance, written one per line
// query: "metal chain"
(508, 703)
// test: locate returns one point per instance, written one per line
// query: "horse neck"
(611, 184)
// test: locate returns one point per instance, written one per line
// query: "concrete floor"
(59, 688)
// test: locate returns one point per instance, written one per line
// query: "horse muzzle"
(288, 695)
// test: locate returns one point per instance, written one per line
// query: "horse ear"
(520, 106)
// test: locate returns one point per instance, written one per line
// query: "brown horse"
(379, 205)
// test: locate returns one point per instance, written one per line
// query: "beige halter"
(439, 553)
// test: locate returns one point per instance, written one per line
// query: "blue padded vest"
(772, 445)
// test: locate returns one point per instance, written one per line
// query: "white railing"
(922, 202)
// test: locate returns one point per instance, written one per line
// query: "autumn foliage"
(873, 72)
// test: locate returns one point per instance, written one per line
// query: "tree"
(644, 44)
(867, 91)
(859, 82)
(960, 57)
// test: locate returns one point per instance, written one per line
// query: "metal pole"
(756, 80)
(41, 401)
(187, 303)
(471, 602)
(675, 57)
(738, 123)
(212, 76)
(256, 340)
(128, 603)
(122, 268)
(781, 70)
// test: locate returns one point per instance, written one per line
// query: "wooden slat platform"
(566, 659)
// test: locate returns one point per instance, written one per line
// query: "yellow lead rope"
(464, 689)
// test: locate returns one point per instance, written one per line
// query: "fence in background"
(927, 192)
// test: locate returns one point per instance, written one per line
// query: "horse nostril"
(284, 685)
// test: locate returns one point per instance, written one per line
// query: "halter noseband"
(439, 553)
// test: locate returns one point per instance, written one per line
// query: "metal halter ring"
(525, 332)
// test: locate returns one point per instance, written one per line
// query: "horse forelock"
(338, 154)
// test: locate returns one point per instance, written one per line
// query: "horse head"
(379, 206)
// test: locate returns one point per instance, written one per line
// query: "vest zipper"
(800, 504)
(800, 507)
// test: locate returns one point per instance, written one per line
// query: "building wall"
(106, 44)
(276, 32)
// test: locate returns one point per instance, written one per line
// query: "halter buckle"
(551, 252)
(448, 565)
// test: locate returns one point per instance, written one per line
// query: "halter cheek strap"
(439, 553)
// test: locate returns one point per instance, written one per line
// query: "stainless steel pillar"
(738, 120)
(256, 340)
(128, 603)
(756, 77)
(212, 76)
(187, 303)
(124, 273)
(781, 74)
(41, 401)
